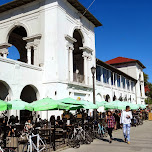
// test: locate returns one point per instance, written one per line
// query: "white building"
(56, 44)
(120, 78)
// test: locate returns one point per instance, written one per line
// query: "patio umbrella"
(46, 104)
(142, 106)
(5, 106)
(89, 105)
(71, 101)
(132, 106)
(18, 104)
(115, 105)
(74, 107)
(102, 103)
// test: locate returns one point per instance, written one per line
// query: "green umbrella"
(71, 101)
(74, 107)
(5, 106)
(132, 106)
(115, 105)
(142, 106)
(18, 104)
(46, 104)
(88, 105)
(102, 103)
(110, 106)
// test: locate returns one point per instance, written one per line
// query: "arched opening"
(4, 91)
(28, 94)
(99, 97)
(107, 98)
(78, 62)
(16, 39)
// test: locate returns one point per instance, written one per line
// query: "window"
(118, 80)
(105, 75)
(115, 78)
(132, 85)
(128, 84)
(112, 78)
(123, 81)
(98, 73)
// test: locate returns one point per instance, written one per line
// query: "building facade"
(56, 43)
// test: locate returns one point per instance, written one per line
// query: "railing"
(78, 78)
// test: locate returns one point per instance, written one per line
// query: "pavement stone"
(141, 141)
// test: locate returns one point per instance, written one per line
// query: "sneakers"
(128, 142)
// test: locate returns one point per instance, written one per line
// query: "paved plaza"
(141, 141)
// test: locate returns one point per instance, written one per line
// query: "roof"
(122, 60)
(75, 3)
(113, 69)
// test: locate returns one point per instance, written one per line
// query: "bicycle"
(34, 142)
(73, 140)
(7, 150)
(31, 146)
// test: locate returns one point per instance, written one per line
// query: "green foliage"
(146, 78)
(149, 95)
(148, 100)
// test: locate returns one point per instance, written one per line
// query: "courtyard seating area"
(71, 129)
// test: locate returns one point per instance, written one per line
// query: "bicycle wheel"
(72, 141)
(88, 139)
(43, 145)
(9, 150)
(26, 148)
(105, 133)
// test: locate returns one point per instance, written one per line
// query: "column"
(5, 53)
(102, 75)
(116, 82)
(28, 54)
(85, 56)
(89, 70)
(70, 63)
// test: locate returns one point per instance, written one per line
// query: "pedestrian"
(125, 120)
(110, 119)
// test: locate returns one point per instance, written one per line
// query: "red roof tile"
(119, 60)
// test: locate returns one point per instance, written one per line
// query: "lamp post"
(93, 70)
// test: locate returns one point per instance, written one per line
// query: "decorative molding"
(32, 38)
(87, 49)
(70, 39)
(5, 45)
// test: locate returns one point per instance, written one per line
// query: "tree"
(146, 78)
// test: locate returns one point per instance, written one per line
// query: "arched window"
(78, 63)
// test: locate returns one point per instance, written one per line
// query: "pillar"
(28, 54)
(70, 49)
(85, 56)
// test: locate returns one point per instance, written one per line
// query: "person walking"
(110, 119)
(126, 117)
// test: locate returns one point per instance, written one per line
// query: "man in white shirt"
(126, 117)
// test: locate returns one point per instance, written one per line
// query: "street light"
(93, 70)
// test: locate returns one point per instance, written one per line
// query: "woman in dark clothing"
(110, 119)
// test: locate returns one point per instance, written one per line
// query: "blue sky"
(126, 30)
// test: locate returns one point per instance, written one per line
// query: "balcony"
(78, 78)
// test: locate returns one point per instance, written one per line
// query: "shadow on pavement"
(118, 139)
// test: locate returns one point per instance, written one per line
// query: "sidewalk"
(141, 141)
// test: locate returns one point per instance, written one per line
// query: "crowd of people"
(115, 119)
